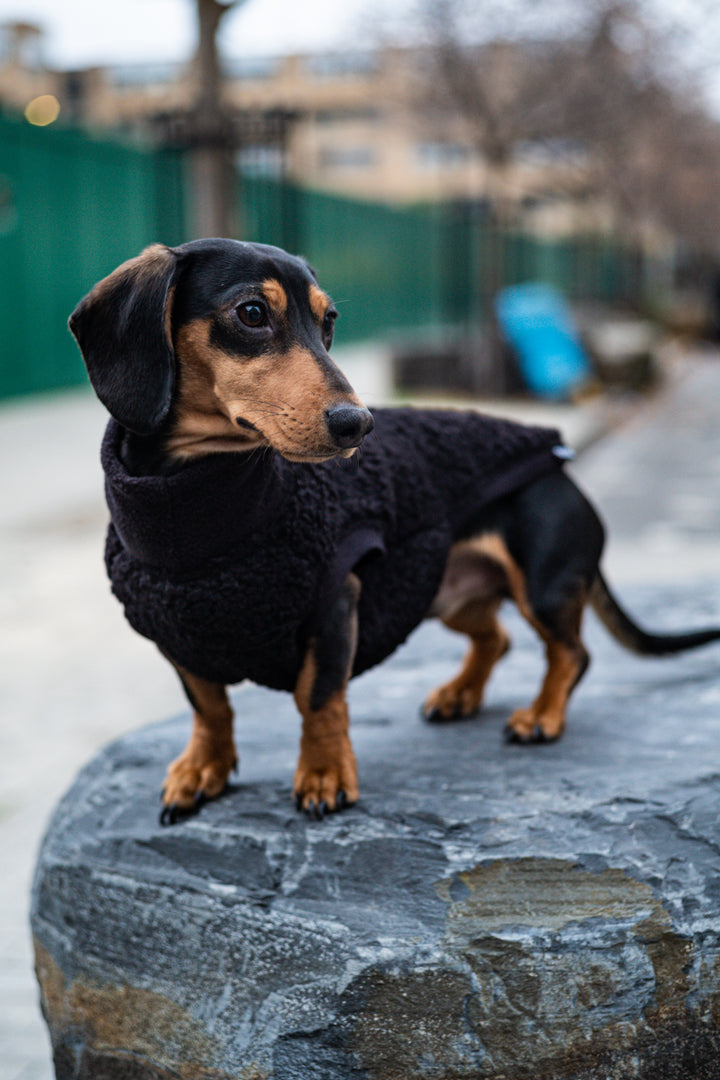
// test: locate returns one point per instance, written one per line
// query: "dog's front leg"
(326, 774)
(201, 771)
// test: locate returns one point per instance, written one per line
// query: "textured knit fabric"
(230, 564)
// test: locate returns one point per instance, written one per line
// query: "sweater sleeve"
(365, 541)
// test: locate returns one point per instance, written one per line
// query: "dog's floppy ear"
(123, 329)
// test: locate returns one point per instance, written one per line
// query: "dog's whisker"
(268, 412)
(277, 406)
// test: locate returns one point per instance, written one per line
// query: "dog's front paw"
(532, 726)
(326, 776)
(199, 774)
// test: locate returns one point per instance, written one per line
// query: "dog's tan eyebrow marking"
(319, 302)
(275, 295)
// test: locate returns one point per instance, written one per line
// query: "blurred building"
(23, 75)
(341, 122)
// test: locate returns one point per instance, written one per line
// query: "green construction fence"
(73, 207)
(411, 270)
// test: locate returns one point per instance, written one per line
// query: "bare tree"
(479, 82)
(486, 70)
(601, 77)
(652, 147)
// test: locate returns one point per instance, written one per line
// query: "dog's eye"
(328, 326)
(252, 313)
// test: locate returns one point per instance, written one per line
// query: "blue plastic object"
(536, 320)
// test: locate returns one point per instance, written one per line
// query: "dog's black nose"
(348, 425)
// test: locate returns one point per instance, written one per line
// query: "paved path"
(73, 676)
(657, 483)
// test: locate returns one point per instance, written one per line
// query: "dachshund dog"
(246, 546)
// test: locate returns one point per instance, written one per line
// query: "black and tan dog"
(244, 547)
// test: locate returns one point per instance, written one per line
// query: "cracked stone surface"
(486, 910)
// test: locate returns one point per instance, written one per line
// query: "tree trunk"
(212, 161)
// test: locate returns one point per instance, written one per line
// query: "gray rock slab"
(486, 910)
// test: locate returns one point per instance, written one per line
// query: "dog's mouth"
(345, 431)
(316, 458)
(243, 423)
(312, 455)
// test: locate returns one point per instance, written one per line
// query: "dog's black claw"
(168, 815)
(540, 736)
(317, 811)
(537, 737)
(434, 716)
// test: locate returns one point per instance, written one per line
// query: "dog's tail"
(632, 636)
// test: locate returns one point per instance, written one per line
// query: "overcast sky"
(85, 33)
(82, 33)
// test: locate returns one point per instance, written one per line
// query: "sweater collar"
(202, 511)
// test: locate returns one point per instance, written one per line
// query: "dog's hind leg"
(470, 593)
(201, 771)
(326, 774)
(551, 599)
(462, 696)
(556, 539)
(567, 660)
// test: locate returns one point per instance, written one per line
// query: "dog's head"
(225, 346)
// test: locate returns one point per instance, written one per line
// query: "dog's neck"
(149, 455)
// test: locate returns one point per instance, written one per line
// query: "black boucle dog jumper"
(230, 563)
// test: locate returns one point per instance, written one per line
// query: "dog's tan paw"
(453, 701)
(326, 776)
(199, 774)
(531, 726)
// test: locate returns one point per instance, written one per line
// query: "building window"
(347, 157)
(365, 114)
(441, 155)
(143, 76)
(253, 67)
(260, 161)
(545, 152)
(22, 43)
(342, 65)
